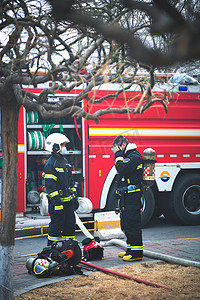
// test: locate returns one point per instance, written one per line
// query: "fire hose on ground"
(88, 234)
(155, 255)
(150, 254)
(124, 275)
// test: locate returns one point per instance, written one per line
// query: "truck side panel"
(174, 136)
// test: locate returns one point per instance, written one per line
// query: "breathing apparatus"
(60, 257)
(149, 167)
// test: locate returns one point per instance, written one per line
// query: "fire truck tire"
(111, 202)
(158, 211)
(183, 203)
(148, 204)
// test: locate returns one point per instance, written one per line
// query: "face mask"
(63, 150)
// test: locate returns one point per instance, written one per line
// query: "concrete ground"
(184, 249)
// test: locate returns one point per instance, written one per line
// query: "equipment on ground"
(60, 257)
(92, 249)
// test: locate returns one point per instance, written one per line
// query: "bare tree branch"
(165, 19)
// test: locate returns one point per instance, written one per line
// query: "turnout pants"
(62, 221)
(131, 223)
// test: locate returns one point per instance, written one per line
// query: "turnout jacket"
(129, 167)
(58, 179)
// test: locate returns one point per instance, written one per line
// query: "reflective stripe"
(73, 195)
(53, 238)
(133, 191)
(61, 170)
(73, 189)
(128, 246)
(136, 248)
(36, 270)
(65, 199)
(53, 194)
(66, 238)
(139, 167)
(119, 192)
(119, 158)
(58, 207)
(50, 176)
(126, 190)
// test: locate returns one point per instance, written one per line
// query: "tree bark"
(9, 139)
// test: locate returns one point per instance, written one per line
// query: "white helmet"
(55, 139)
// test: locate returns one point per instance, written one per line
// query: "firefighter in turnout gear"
(59, 185)
(128, 163)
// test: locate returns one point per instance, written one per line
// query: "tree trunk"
(9, 139)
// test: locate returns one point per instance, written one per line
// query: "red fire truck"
(174, 136)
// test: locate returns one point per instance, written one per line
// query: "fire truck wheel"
(148, 203)
(183, 205)
(148, 206)
(158, 211)
(111, 202)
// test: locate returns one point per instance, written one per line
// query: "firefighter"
(128, 162)
(59, 185)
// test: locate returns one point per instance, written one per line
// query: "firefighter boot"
(131, 258)
(128, 251)
(134, 255)
(121, 254)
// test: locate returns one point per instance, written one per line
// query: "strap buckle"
(132, 187)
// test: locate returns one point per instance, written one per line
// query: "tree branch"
(189, 38)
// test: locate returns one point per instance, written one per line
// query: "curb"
(164, 257)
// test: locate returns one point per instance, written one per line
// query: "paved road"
(158, 231)
(180, 241)
(159, 236)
